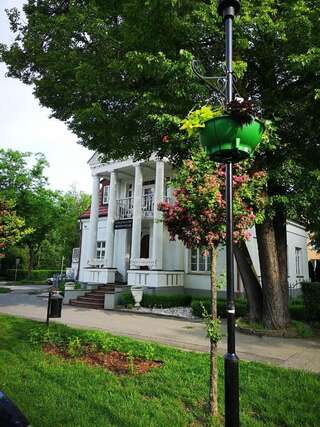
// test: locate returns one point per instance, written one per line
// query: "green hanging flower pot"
(225, 139)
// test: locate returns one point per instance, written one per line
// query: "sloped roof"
(103, 211)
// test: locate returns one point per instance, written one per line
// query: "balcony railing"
(147, 206)
(125, 207)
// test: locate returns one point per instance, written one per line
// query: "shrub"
(311, 299)
(155, 300)
(241, 307)
(35, 274)
(297, 311)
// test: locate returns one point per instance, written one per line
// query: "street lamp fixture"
(228, 9)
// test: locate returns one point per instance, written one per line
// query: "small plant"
(242, 110)
(149, 351)
(213, 326)
(130, 358)
(74, 347)
(196, 119)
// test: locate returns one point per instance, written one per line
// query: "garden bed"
(115, 361)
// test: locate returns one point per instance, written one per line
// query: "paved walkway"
(293, 353)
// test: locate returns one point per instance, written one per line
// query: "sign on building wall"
(121, 224)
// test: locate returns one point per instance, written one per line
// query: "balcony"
(125, 207)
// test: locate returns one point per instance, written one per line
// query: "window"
(199, 262)
(105, 195)
(298, 256)
(101, 250)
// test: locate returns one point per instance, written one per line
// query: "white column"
(137, 216)
(94, 215)
(158, 226)
(112, 209)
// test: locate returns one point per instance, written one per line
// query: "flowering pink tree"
(197, 217)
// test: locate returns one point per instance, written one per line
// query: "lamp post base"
(231, 384)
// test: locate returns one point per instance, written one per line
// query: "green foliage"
(35, 274)
(47, 220)
(213, 325)
(158, 300)
(4, 290)
(197, 118)
(74, 342)
(304, 330)
(197, 304)
(130, 358)
(311, 299)
(74, 347)
(12, 227)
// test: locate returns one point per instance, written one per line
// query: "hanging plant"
(228, 134)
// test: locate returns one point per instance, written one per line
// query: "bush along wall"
(159, 301)
(311, 299)
(35, 275)
(197, 310)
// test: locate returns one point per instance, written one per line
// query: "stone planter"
(137, 293)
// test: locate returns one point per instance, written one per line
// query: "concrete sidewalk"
(293, 353)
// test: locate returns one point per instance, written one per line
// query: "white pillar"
(158, 226)
(137, 216)
(94, 215)
(112, 209)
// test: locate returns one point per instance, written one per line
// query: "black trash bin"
(10, 415)
(55, 306)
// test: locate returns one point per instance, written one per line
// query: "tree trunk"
(250, 281)
(280, 230)
(213, 392)
(275, 305)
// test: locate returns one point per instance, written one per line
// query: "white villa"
(124, 240)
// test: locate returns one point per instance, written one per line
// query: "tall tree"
(120, 71)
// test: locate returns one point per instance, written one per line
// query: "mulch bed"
(114, 361)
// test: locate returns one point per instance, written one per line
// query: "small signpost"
(16, 272)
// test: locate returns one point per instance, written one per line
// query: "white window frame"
(207, 263)
(101, 249)
(105, 194)
(298, 258)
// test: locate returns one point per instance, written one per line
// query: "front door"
(144, 249)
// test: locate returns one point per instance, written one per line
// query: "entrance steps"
(95, 299)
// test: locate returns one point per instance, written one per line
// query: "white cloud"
(25, 126)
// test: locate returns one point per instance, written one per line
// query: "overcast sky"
(26, 126)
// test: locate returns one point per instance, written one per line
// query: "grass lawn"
(4, 290)
(53, 392)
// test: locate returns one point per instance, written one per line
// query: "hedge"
(311, 299)
(158, 300)
(35, 274)
(240, 304)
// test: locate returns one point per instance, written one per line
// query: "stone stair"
(95, 299)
